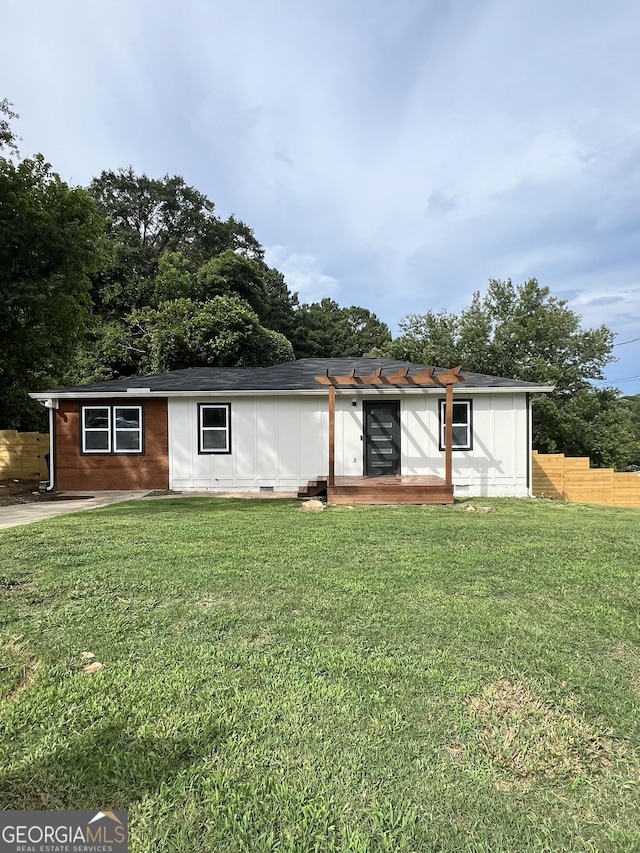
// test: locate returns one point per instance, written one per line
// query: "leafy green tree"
(264, 289)
(632, 404)
(593, 423)
(155, 214)
(108, 351)
(222, 332)
(231, 273)
(220, 235)
(281, 308)
(166, 247)
(8, 139)
(523, 332)
(325, 330)
(174, 279)
(51, 241)
(148, 217)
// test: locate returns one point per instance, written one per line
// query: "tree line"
(134, 275)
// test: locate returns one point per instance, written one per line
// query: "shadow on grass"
(106, 765)
(197, 505)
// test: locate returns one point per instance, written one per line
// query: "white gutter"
(319, 392)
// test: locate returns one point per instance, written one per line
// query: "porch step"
(313, 489)
(374, 492)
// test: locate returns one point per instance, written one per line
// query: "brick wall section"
(149, 470)
(572, 479)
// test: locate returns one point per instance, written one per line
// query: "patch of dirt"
(19, 492)
(456, 751)
(531, 739)
(27, 491)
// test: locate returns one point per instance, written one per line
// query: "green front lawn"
(369, 679)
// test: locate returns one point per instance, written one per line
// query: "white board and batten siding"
(276, 442)
(495, 466)
(281, 442)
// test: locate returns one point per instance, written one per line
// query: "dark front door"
(381, 438)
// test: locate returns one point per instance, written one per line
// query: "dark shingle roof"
(291, 376)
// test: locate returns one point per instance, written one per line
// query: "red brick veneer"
(148, 470)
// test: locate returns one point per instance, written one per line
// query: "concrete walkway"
(17, 514)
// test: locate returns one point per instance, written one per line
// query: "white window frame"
(467, 424)
(117, 429)
(86, 429)
(111, 430)
(202, 428)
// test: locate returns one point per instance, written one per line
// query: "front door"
(381, 438)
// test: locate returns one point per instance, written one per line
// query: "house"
(375, 422)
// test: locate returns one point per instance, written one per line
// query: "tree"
(231, 273)
(166, 245)
(280, 314)
(523, 332)
(148, 217)
(8, 139)
(593, 423)
(263, 288)
(221, 332)
(51, 238)
(325, 330)
(220, 235)
(174, 279)
(156, 214)
(632, 405)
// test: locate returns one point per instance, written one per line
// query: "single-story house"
(287, 427)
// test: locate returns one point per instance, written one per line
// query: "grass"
(369, 679)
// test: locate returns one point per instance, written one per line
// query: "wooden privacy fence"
(22, 455)
(567, 478)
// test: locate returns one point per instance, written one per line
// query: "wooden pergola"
(401, 379)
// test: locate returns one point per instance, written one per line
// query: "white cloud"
(413, 150)
(616, 306)
(302, 273)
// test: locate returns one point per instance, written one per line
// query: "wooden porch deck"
(416, 489)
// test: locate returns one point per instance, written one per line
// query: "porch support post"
(448, 435)
(332, 435)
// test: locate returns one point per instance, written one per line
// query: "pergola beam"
(399, 378)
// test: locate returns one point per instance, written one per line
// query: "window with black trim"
(462, 425)
(112, 429)
(214, 427)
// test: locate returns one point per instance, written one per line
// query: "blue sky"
(394, 156)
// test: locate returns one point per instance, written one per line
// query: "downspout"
(529, 440)
(52, 405)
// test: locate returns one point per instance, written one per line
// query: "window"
(462, 423)
(96, 429)
(112, 429)
(214, 428)
(127, 429)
